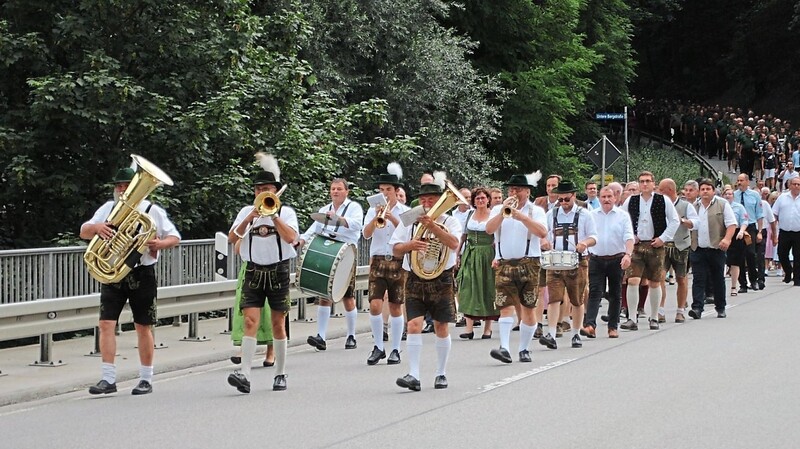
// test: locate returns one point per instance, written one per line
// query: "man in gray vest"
(715, 228)
(676, 255)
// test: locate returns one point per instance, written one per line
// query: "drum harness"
(565, 228)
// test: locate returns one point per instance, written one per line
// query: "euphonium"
(430, 264)
(268, 203)
(508, 210)
(109, 261)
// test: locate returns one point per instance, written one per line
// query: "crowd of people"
(505, 258)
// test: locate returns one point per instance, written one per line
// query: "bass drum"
(326, 267)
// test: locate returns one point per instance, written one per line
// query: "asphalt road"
(712, 383)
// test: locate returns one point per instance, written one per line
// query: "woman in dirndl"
(475, 275)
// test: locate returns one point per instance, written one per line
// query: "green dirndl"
(264, 332)
(475, 278)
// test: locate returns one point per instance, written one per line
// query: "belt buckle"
(387, 257)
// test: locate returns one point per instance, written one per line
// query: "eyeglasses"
(564, 200)
(645, 181)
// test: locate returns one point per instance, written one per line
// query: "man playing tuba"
(430, 292)
(139, 287)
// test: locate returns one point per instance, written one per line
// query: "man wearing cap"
(267, 248)
(386, 274)
(655, 221)
(517, 253)
(716, 224)
(343, 221)
(570, 228)
(433, 296)
(139, 287)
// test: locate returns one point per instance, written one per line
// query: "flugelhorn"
(268, 203)
(509, 209)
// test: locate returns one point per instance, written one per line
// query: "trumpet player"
(386, 275)
(434, 296)
(266, 249)
(517, 225)
(346, 217)
(139, 287)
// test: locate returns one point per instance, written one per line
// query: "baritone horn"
(430, 264)
(268, 203)
(509, 209)
(109, 261)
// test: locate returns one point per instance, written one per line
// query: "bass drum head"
(343, 272)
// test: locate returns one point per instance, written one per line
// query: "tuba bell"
(430, 264)
(268, 203)
(109, 261)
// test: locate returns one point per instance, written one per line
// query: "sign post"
(603, 157)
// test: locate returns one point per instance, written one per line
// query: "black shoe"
(375, 356)
(476, 323)
(385, 336)
(143, 387)
(487, 336)
(317, 342)
(576, 341)
(721, 314)
(761, 286)
(467, 335)
(754, 287)
(537, 334)
(501, 355)
(629, 325)
(604, 318)
(279, 384)
(654, 325)
(268, 364)
(696, 314)
(103, 387)
(787, 279)
(408, 381)
(394, 357)
(741, 290)
(549, 341)
(427, 329)
(461, 323)
(440, 383)
(350, 343)
(525, 356)
(515, 328)
(236, 360)
(405, 336)
(237, 379)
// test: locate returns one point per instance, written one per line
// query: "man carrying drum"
(386, 274)
(517, 225)
(266, 248)
(341, 221)
(570, 231)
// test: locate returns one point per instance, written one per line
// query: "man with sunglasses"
(655, 221)
(569, 228)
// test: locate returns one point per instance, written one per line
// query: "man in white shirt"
(346, 219)
(787, 213)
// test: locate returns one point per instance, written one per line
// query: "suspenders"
(565, 227)
(527, 244)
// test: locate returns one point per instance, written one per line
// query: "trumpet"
(268, 203)
(509, 209)
(380, 219)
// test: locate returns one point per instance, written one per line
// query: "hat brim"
(277, 184)
(556, 191)
(515, 184)
(377, 184)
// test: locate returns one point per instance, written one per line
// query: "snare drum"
(559, 260)
(326, 267)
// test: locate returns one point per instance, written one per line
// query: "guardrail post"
(95, 352)
(193, 324)
(45, 352)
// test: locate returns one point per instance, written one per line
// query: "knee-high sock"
(396, 332)
(280, 355)
(323, 316)
(442, 352)
(248, 351)
(376, 324)
(505, 324)
(109, 372)
(146, 373)
(633, 300)
(525, 336)
(414, 349)
(655, 301)
(350, 318)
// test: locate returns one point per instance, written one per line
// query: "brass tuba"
(109, 261)
(268, 203)
(430, 264)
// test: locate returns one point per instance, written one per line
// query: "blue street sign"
(609, 116)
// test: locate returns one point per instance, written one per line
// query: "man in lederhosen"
(386, 275)
(569, 228)
(266, 248)
(517, 254)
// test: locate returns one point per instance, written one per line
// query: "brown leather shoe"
(588, 331)
(679, 318)
(612, 333)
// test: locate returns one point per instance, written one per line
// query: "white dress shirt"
(511, 237)
(613, 230)
(645, 229)
(353, 215)
(404, 234)
(729, 218)
(586, 227)
(787, 211)
(380, 236)
(263, 250)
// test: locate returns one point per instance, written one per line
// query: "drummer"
(386, 274)
(569, 229)
(341, 220)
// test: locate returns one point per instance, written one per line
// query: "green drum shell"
(326, 267)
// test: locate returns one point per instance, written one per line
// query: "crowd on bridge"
(506, 260)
